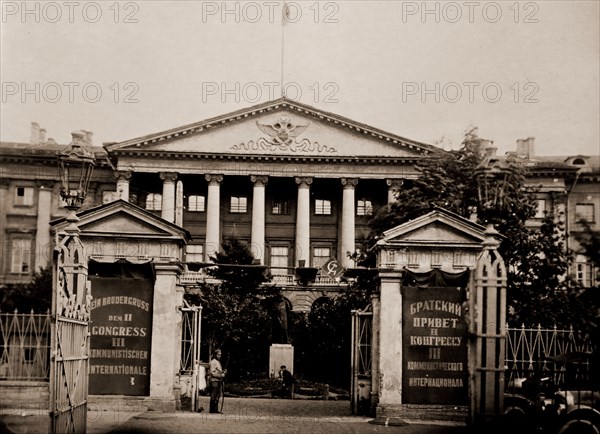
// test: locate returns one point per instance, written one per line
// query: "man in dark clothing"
(216, 373)
(288, 381)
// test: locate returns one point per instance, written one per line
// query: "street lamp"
(76, 164)
(493, 179)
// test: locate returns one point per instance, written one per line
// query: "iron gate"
(361, 361)
(70, 339)
(190, 350)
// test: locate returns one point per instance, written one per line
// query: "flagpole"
(283, 15)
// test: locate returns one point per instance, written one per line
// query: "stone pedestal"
(280, 354)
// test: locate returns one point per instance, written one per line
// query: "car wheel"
(579, 426)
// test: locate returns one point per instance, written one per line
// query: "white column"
(123, 177)
(303, 221)
(213, 239)
(168, 196)
(257, 243)
(42, 234)
(179, 204)
(393, 186)
(348, 223)
(4, 247)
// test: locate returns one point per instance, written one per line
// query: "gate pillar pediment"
(440, 313)
(134, 260)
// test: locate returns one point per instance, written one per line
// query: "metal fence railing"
(562, 355)
(25, 341)
(25, 350)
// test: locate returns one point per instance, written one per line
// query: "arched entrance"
(321, 347)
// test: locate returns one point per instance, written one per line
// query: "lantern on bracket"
(493, 180)
(76, 164)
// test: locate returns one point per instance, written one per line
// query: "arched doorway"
(321, 347)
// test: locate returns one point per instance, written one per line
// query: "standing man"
(217, 374)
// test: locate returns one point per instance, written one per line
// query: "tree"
(536, 259)
(538, 287)
(35, 295)
(447, 181)
(322, 341)
(234, 314)
(587, 297)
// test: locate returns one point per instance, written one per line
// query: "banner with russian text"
(121, 336)
(434, 362)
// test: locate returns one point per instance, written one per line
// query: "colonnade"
(302, 228)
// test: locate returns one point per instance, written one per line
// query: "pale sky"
(420, 70)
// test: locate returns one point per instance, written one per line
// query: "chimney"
(526, 147)
(35, 133)
(89, 137)
(531, 146)
(42, 136)
(486, 149)
(78, 136)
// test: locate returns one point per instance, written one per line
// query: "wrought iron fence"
(190, 338)
(532, 352)
(25, 350)
(25, 346)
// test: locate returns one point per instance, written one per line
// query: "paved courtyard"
(240, 416)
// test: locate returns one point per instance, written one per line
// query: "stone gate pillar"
(439, 344)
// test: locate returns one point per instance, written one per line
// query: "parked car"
(537, 404)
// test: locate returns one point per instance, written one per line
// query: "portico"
(299, 185)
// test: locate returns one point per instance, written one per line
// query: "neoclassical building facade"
(296, 183)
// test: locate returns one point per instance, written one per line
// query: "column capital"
(259, 179)
(168, 176)
(394, 184)
(216, 178)
(303, 181)
(349, 183)
(122, 175)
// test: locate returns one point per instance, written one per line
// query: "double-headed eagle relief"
(282, 137)
(282, 132)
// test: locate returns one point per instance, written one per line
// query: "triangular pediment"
(439, 227)
(281, 127)
(123, 219)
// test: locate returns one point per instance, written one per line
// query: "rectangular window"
(585, 212)
(540, 211)
(280, 206)
(24, 196)
(196, 203)
(280, 256)
(239, 204)
(364, 207)
(194, 253)
(320, 256)
(154, 202)
(322, 207)
(21, 256)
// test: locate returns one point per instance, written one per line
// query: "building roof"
(262, 108)
(43, 152)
